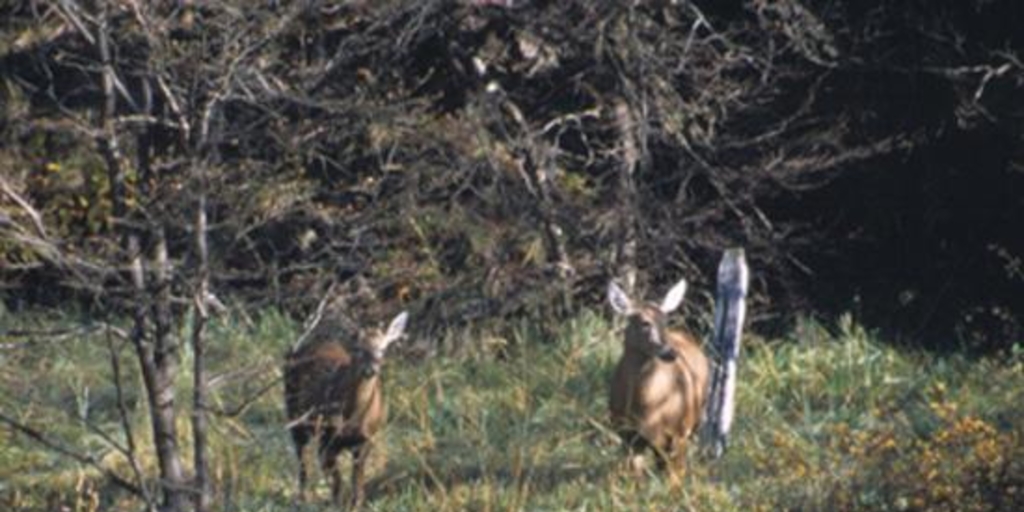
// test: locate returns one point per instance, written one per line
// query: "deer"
(660, 383)
(334, 394)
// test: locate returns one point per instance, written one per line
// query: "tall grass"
(828, 419)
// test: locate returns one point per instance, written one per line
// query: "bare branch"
(37, 219)
(72, 12)
(122, 412)
(314, 321)
(59, 448)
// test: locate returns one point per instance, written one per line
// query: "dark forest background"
(477, 161)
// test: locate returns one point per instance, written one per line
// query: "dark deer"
(659, 387)
(333, 393)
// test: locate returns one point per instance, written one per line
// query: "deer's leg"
(664, 452)
(301, 437)
(360, 454)
(635, 445)
(329, 463)
(675, 460)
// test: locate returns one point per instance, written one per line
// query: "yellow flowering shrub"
(964, 464)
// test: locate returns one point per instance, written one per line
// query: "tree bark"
(162, 396)
(199, 419)
(158, 360)
(628, 202)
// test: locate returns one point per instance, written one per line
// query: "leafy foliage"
(471, 160)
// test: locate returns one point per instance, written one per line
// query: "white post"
(730, 310)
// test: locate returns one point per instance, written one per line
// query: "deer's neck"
(366, 391)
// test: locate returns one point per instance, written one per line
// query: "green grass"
(829, 419)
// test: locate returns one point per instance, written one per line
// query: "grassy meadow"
(829, 418)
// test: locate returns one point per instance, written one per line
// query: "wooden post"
(730, 310)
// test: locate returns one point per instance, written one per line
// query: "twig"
(37, 219)
(314, 321)
(69, 11)
(126, 426)
(60, 449)
(56, 335)
(240, 408)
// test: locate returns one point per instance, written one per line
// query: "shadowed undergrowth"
(829, 419)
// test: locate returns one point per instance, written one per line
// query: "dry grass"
(826, 421)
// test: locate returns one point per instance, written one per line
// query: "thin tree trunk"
(165, 429)
(158, 360)
(629, 217)
(202, 502)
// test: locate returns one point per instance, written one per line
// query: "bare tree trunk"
(199, 420)
(158, 360)
(165, 429)
(159, 382)
(629, 217)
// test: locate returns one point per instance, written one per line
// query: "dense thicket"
(479, 160)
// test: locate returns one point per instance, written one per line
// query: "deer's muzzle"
(667, 354)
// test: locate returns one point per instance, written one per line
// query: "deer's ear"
(396, 329)
(674, 297)
(619, 300)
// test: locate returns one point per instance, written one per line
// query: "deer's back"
(313, 376)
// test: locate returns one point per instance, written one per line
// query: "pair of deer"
(333, 392)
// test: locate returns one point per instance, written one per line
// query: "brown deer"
(333, 393)
(659, 386)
